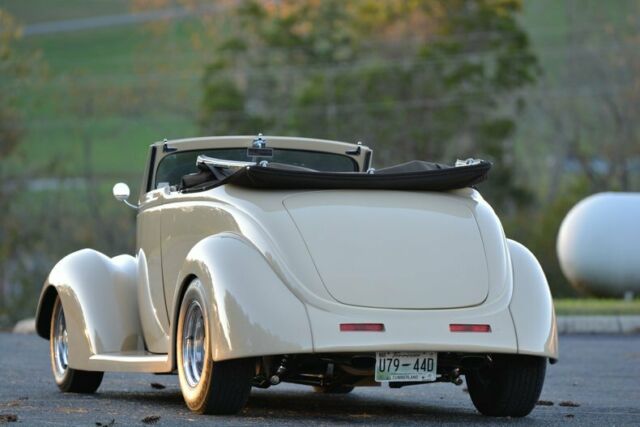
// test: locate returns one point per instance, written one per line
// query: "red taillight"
(455, 327)
(370, 327)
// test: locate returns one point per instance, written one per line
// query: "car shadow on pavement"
(350, 407)
(288, 405)
(163, 398)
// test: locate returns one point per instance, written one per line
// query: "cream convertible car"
(271, 260)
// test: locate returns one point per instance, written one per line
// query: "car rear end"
(415, 289)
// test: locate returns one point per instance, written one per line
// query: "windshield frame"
(208, 152)
(360, 153)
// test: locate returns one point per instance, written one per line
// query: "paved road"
(600, 373)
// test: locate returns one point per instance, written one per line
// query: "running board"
(130, 362)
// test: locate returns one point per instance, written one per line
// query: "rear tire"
(208, 387)
(333, 389)
(68, 379)
(509, 387)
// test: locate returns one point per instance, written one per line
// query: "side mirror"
(121, 192)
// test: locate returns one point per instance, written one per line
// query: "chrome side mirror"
(121, 192)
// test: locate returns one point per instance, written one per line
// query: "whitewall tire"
(208, 387)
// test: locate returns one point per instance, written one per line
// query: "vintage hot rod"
(267, 260)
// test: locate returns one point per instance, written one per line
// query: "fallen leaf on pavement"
(72, 410)
(8, 418)
(365, 415)
(10, 404)
(151, 419)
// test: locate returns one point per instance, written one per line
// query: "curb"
(598, 324)
(566, 325)
(25, 326)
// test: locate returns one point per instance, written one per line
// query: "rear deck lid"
(389, 249)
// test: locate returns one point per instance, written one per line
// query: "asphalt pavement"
(596, 382)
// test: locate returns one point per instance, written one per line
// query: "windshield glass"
(174, 166)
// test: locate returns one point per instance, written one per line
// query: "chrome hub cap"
(193, 347)
(60, 344)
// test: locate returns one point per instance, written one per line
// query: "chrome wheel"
(208, 387)
(67, 378)
(60, 343)
(193, 343)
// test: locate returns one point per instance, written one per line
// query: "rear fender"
(100, 303)
(531, 305)
(252, 312)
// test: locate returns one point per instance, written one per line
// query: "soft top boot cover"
(415, 175)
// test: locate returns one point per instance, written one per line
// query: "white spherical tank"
(599, 244)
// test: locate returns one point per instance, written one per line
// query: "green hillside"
(110, 92)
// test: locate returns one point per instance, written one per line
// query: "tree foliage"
(429, 79)
(16, 234)
(13, 67)
(599, 137)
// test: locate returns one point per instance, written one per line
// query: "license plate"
(406, 366)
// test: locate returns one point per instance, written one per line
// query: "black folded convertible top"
(415, 175)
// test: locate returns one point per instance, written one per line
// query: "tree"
(591, 100)
(430, 79)
(15, 70)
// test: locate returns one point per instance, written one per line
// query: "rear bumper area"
(412, 330)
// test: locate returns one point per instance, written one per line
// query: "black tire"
(333, 389)
(219, 387)
(69, 380)
(509, 387)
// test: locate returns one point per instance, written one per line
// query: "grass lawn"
(596, 306)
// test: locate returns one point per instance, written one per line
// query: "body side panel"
(259, 217)
(153, 313)
(252, 312)
(154, 316)
(184, 224)
(99, 299)
(531, 305)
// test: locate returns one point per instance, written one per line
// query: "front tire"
(208, 387)
(509, 387)
(68, 379)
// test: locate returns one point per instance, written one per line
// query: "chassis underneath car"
(354, 369)
(499, 384)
